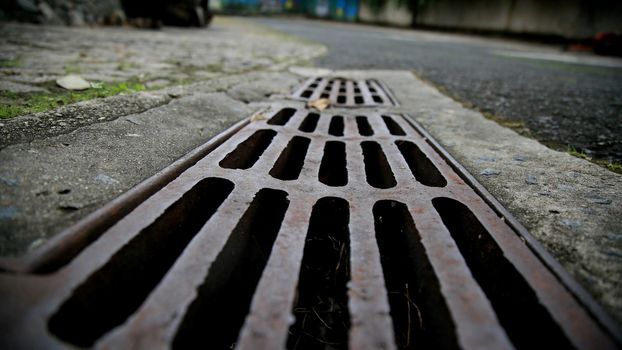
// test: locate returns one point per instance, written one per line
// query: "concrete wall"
(567, 18)
(389, 14)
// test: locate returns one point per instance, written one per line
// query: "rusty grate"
(307, 230)
(344, 92)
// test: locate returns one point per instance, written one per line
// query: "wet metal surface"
(227, 243)
(346, 92)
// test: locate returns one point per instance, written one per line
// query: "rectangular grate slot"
(377, 169)
(393, 127)
(215, 317)
(421, 167)
(363, 126)
(333, 171)
(421, 319)
(309, 123)
(282, 117)
(114, 292)
(344, 92)
(321, 312)
(279, 237)
(336, 126)
(248, 152)
(291, 160)
(511, 297)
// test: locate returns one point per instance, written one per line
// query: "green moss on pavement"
(12, 63)
(614, 166)
(14, 104)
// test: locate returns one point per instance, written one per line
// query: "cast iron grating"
(304, 230)
(344, 92)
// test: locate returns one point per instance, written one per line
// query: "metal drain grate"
(308, 231)
(346, 92)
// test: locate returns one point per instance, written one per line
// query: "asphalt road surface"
(565, 100)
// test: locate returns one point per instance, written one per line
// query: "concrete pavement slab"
(57, 180)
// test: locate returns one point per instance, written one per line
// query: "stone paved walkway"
(61, 164)
(38, 55)
(34, 57)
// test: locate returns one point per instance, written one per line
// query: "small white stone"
(36, 244)
(490, 172)
(106, 179)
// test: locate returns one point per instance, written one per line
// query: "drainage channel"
(306, 230)
(344, 92)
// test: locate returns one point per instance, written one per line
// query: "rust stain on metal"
(225, 245)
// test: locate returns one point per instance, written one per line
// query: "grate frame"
(23, 316)
(344, 92)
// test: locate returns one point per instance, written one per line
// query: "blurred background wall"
(565, 18)
(570, 19)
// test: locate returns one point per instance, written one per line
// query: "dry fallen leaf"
(258, 117)
(73, 82)
(320, 104)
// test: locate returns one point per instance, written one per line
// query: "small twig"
(408, 327)
(416, 308)
(304, 322)
(343, 247)
(321, 320)
(334, 241)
